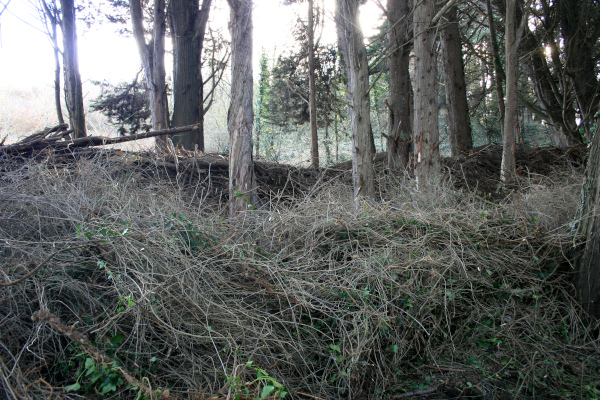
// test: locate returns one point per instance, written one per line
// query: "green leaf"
(111, 387)
(118, 338)
(267, 390)
(282, 394)
(89, 363)
(75, 386)
(394, 348)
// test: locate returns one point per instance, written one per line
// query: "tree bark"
(459, 123)
(312, 93)
(188, 26)
(356, 68)
(578, 22)
(587, 279)
(52, 15)
(426, 126)
(508, 171)
(73, 90)
(240, 116)
(57, 102)
(153, 63)
(400, 88)
(550, 91)
(498, 71)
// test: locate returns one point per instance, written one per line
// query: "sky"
(26, 58)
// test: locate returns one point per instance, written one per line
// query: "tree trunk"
(73, 90)
(240, 116)
(400, 88)
(159, 103)
(263, 81)
(153, 63)
(587, 279)
(52, 15)
(426, 126)
(508, 170)
(57, 102)
(498, 71)
(356, 68)
(577, 25)
(188, 24)
(558, 108)
(312, 94)
(459, 123)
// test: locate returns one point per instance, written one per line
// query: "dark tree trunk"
(57, 102)
(73, 90)
(153, 62)
(188, 25)
(240, 116)
(459, 122)
(550, 92)
(587, 279)
(312, 94)
(356, 69)
(400, 89)
(52, 15)
(508, 170)
(498, 71)
(580, 65)
(159, 103)
(426, 126)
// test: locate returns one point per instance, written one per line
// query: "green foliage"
(287, 96)
(187, 235)
(270, 387)
(126, 105)
(95, 378)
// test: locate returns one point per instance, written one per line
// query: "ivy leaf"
(75, 386)
(267, 390)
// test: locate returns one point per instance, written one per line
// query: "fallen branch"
(35, 143)
(98, 355)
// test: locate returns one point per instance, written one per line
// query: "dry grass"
(407, 293)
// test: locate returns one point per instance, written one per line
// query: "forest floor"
(122, 277)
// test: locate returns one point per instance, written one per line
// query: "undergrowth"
(443, 294)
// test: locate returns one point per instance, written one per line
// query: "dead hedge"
(440, 295)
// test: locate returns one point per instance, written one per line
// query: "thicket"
(444, 294)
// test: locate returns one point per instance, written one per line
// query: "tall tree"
(356, 71)
(73, 90)
(153, 61)
(459, 122)
(514, 33)
(50, 15)
(579, 26)
(508, 170)
(263, 83)
(240, 116)
(312, 96)
(553, 94)
(426, 125)
(587, 279)
(559, 45)
(312, 92)
(188, 27)
(499, 76)
(400, 88)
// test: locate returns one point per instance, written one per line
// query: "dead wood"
(98, 355)
(51, 138)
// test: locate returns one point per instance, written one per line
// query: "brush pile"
(140, 287)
